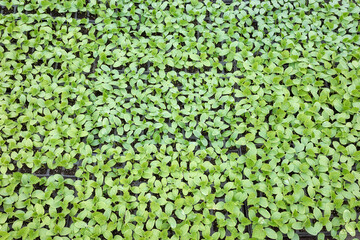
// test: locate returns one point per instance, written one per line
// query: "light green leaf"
(346, 215)
(99, 218)
(258, 232)
(80, 224)
(172, 222)
(350, 228)
(264, 212)
(271, 233)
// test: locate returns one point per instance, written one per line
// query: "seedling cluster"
(180, 119)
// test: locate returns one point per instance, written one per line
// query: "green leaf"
(258, 232)
(72, 132)
(158, 125)
(161, 45)
(350, 228)
(229, 66)
(314, 230)
(99, 218)
(80, 224)
(317, 213)
(264, 212)
(271, 233)
(38, 194)
(196, 133)
(307, 201)
(39, 209)
(172, 222)
(169, 208)
(180, 214)
(194, 57)
(297, 225)
(346, 216)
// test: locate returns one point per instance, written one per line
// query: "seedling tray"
(180, 119)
